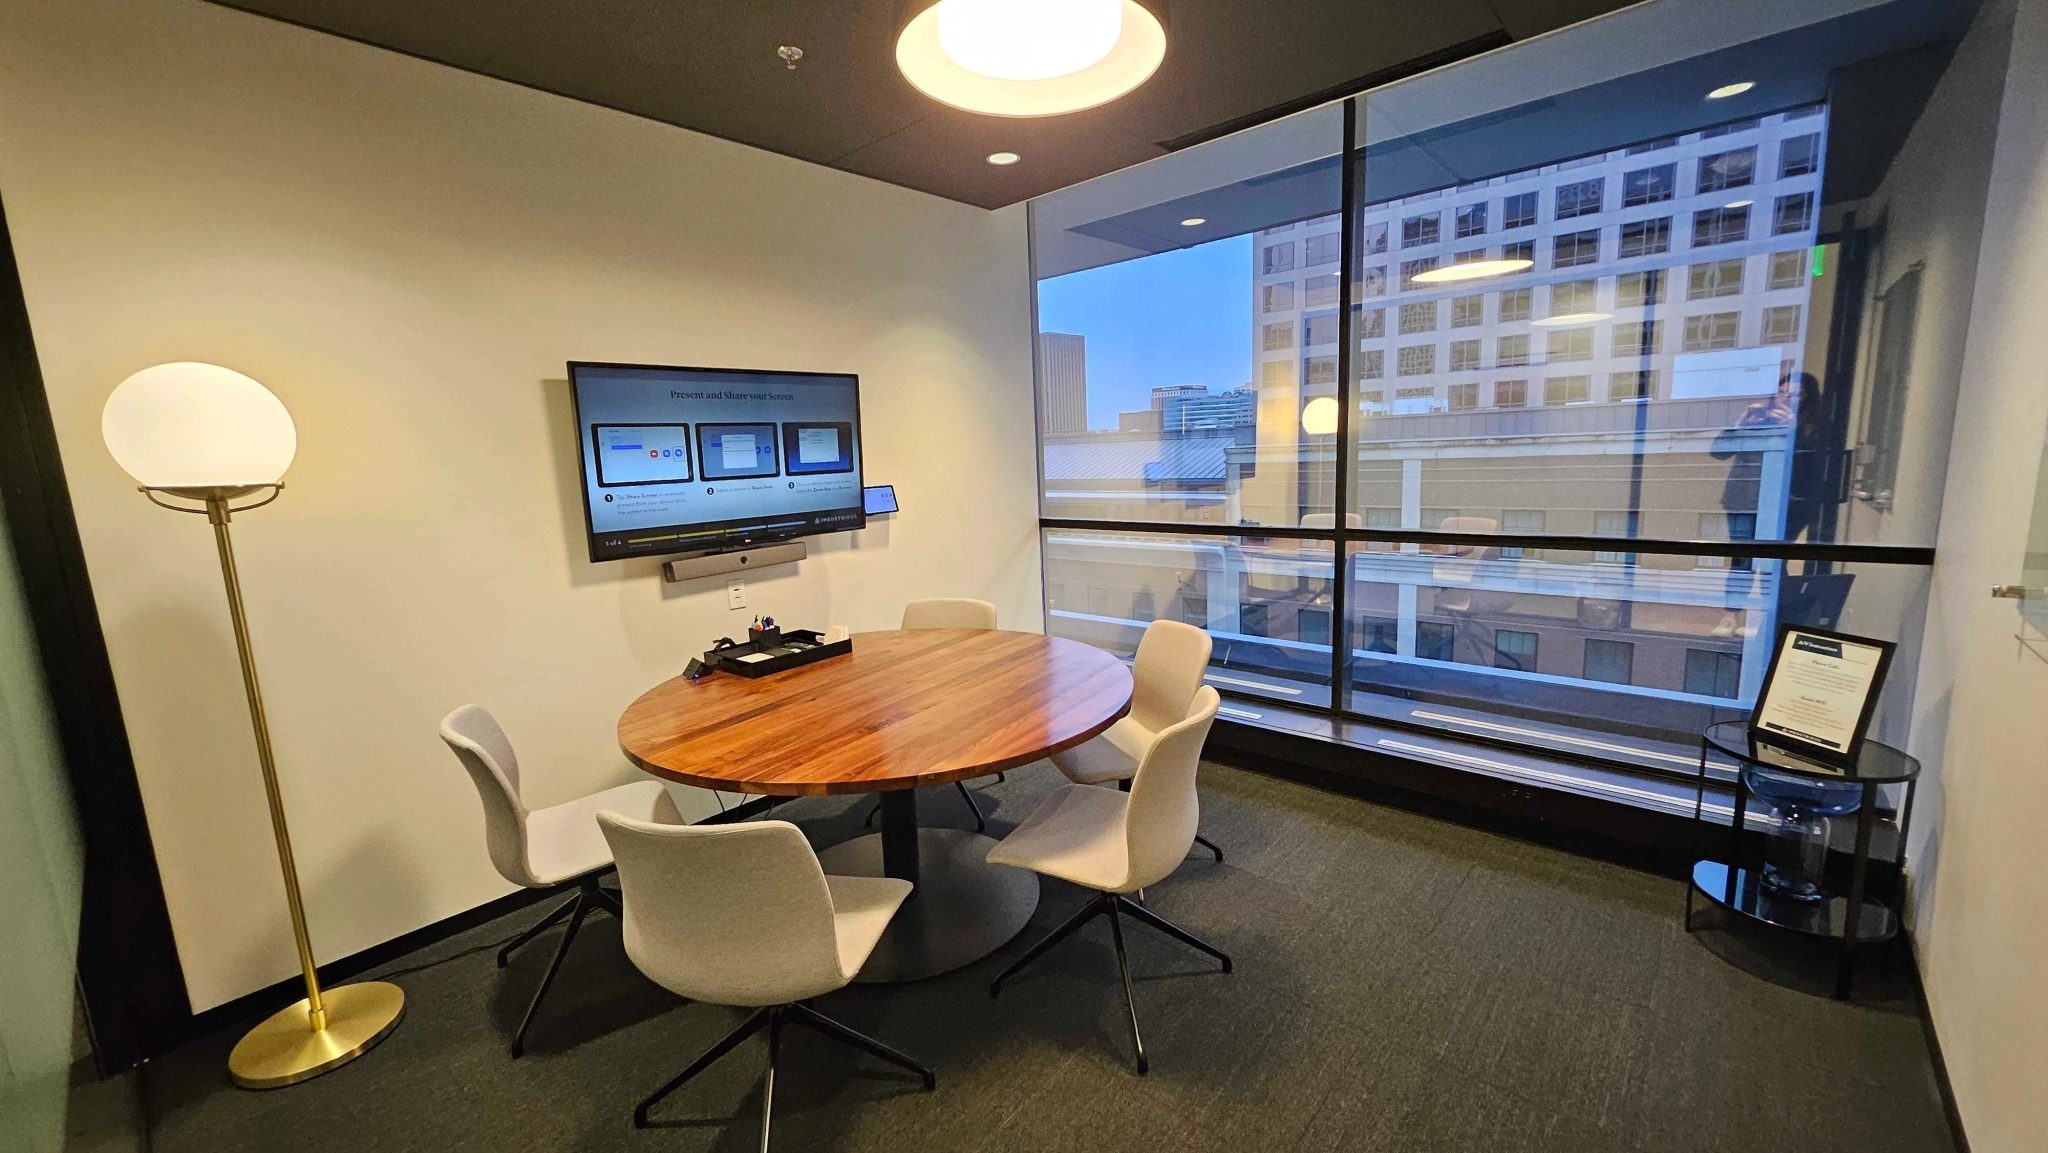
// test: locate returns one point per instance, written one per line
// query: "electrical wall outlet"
(736, 593)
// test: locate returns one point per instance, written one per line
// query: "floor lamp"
(208, 436)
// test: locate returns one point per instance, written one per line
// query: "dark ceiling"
(711, 66)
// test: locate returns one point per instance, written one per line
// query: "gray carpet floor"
(1401, 984)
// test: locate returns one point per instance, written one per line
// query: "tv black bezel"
(714, 541)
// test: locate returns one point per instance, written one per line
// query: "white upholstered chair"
(1172, 659)
(1117, 843)
(951, 613)
(742, 915)
(543, 848)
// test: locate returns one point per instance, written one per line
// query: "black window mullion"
(1347, 340)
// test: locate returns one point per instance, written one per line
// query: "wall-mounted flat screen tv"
(701, 459)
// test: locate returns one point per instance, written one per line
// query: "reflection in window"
(1572, 297)
(1371, 323)
(1514, 304)
(1468, 311)
(1712, 330)
(1277, 297)
(1640, 384)
(1579, 198)
(1725, 170)
(1417, 360)
(1720, 225)
(1418, 317)
(1510, 393)
(1472, 220)
(1320, 329)
(1798, 155)
(1633, 289)
(1713, 673)
(1372, 364)
(1514, 650)
(1372, 281)
(1420, 230)
(1321, 249)
(1464, 355)
(1464, 396)
(1649, 185)
(1568, 390)
(1278, 336)
(1610, 661)
(1319, 291)
(1788, 269)
(1575, 248)
(1636, 339)
(1518, 211)
(1792, 213)
(1645, 237)
(1519, 250)
(1570, 344)
(1279, 257)
(1410, 269)
(1512, 350)
(1714, 278)
(1436, 641)
(1781, 324)
(1373, 239)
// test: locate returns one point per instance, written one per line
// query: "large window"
(1577, 498)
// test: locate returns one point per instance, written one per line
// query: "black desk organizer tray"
(785, 650)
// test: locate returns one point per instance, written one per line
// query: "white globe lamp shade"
(188, 425)
(1028, 57)
(1319, 418)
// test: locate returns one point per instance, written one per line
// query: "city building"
(1063, 383)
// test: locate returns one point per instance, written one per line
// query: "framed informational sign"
(1820, 692)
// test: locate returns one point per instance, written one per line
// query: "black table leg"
(899, 835)
(1866, 816)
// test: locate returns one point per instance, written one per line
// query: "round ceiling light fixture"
(1029, 57)
(1727, 90)
(1571, 318)
(1003, 159)
(1472, 270)
(1194, 221)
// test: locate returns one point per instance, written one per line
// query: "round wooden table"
(903, 710)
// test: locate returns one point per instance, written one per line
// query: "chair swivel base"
(589, 896)
(1115, 906)
(773, 1018)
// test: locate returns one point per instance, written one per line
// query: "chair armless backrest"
(1171, 660)
(482, 747)
(949, 614)
(1163, 812)
(730, 914)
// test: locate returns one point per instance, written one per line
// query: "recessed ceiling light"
(1191, 221)
(1571, 318)
(1471, 270)
(1028, 57)
(1738, 204)
(1001, 159)
(1727, 90)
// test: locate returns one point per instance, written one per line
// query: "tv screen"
(697, 459)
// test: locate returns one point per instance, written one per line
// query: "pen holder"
(767, 638)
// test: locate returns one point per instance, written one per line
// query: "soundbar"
(720, 563)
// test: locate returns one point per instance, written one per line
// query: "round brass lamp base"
(285, 1049)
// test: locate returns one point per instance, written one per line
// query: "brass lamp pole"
(142, 424)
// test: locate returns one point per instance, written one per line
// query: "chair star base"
(1115, 906)
(773, 1019)
(589, 896)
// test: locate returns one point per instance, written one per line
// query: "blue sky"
(1180, 317)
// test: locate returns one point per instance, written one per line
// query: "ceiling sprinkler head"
(790, 54)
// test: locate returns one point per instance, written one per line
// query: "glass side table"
(1788, 888)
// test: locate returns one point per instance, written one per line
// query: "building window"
(1514, 303)
(1724, 170)
(1614, 524)
(1194, 610)
(1802, 112)
(1321, 249)
(1798, 155)
(1378, 636)
(1638, 385)
(1568, 390)
(1781, 324)
(1661, 142)
(1512, 350)
(1278, 297)
(1420, 230)
(1713, 674)
(1518, 211)
(1372, 282)
(1467, 311)
(1251, 620)
(1472, 220)
(1610, 661)
(1277, 374)
(1372, 323)
(1279, 336)
(1320, 329)
(1712, 330)
(1634, 289)
(1720, 226)
(1312, 626)
(1436, 641)
(1098, 602)
(1573, 297)
(1464, 395)
(1410, 269)
(1374, 403)
(1637, 339)
(1374, 238)
(1464, 355)
(1649, 185)
(1715, 278)
(1568, 344)
(1581, 198)
(1514, 650)
(1279, 257)
(1322, 370)
(1320, 291)
(1575, 248)
(1733, 126)
(1510, 393)
(1418, 317)
(1372, 364)
(1410, 401)
(1519, 250)
(1788, 269)
(1417, 360)
(1645, 237)
(1521, 522)
(1469, 256)
(1792, 213)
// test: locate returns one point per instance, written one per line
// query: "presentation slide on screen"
(682, 459)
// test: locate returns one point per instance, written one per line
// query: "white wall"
(407, 255)
(1982, 880)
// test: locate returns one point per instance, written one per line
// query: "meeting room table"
(904, 711)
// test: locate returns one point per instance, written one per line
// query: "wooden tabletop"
(908, 708)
